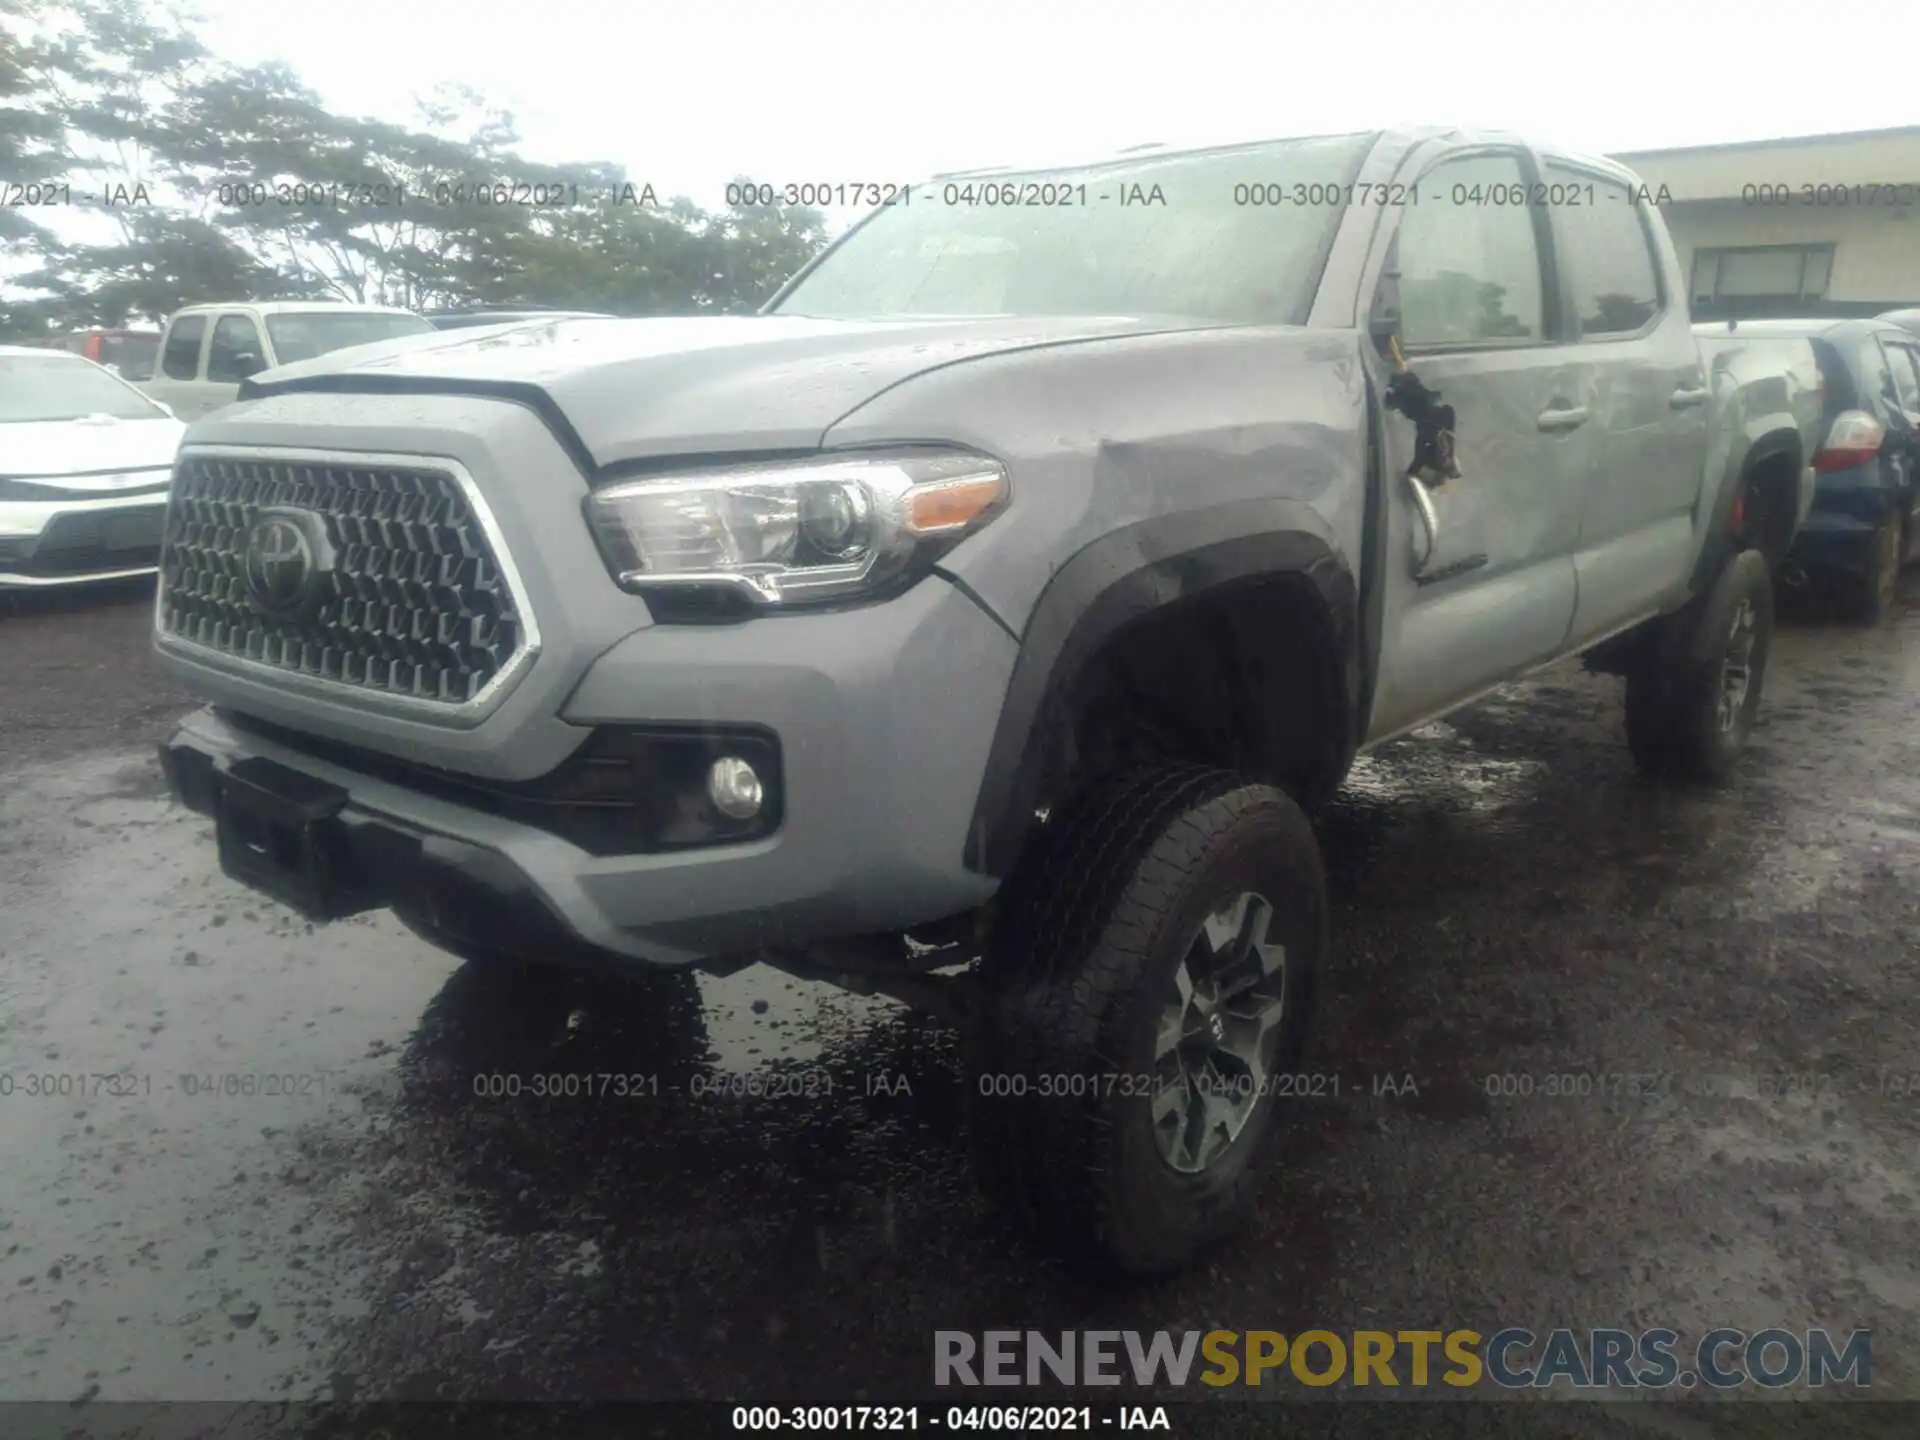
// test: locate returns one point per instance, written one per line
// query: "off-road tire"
(1091, 930)
(1674, 692)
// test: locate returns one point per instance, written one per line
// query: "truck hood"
(622, 390)
(46, 448)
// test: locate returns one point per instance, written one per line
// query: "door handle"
(1683, 398)
(1568, 419)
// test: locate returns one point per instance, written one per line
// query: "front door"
(1491, 591)
(234, 353)
(176, 380)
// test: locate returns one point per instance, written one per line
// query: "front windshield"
(65, 387)
(1235, 236)
(301, 335)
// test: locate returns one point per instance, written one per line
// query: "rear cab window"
(1606, 252)
(181, 360)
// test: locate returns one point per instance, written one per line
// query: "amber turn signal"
(951, 505)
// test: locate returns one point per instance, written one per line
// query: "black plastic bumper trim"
(463, 897)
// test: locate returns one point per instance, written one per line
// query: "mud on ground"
(1513, 904)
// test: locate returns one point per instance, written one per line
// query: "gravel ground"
(1511, 901)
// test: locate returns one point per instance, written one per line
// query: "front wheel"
(1693, 694)
(1149, 988)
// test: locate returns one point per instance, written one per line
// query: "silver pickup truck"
(1017, 582)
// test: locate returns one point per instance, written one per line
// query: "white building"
(1809, 225)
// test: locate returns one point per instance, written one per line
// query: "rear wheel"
(1148, 986)
(1693, 694)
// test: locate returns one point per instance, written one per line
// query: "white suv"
(209, 349)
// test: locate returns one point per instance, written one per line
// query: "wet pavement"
(244, 1158)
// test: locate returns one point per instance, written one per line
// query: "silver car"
(85, 462)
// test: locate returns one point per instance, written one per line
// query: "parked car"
(209, 349)
(130, 354)
(467, 319)
(85, 460)
(1862, 528)
(1022, 576)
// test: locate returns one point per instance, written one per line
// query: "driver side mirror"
(166, 407)
(247, 364)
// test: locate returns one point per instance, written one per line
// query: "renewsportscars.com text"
(1510, 1358)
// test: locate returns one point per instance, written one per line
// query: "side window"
(1609, 259)
(1875, 365)
(182, 358)
(1901, 361)
(235, 352)
(1469, 265)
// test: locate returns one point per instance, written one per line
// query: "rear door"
(1649, 400)
(1480, 321)
(227, 344)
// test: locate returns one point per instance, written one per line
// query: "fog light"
(734, 788)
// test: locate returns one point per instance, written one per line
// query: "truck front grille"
(412, 603)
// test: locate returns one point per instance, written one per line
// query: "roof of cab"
(291, 307)
(1404, 136)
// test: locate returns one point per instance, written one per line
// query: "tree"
(756, 248)
(166, 261)
(107, 73)
(32, 146)
(1622, 314)
(222, 182)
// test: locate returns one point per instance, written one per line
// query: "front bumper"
(69, 542)
(462, 895)
(883, 715)
(881, 758)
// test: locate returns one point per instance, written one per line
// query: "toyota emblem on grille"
(287, 558)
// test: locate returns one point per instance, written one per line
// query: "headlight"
(793, 532)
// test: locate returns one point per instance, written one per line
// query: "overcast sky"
(687, 95)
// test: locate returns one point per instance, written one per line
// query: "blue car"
(1862, 527)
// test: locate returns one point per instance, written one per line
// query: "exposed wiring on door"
(1433, 463)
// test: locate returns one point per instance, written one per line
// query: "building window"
(1760, 275)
